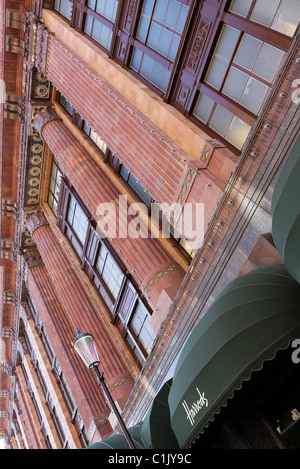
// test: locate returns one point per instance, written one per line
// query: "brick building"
(177, 105)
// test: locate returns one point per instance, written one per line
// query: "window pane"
(65, 8)
(204, 107)
(110, 9)
(143, 29)
(148, 7)
(264, 11)
(172, 14)
(165, 80)
(160, 10)
(174, 47)
(74, 242)
(77, 220)
(154, 35)
(146, 67)
(92, 4)
(164, 43)
(157, 74)
(103, 293)
(216, 72)
(221, 120)
(254, 95)
(238, 132)
(182, 18)
(86, 128)
(132, 181)
(227, 42)
(136, 59)
(248, 52)
(88, 24)
(241, 7)
(287, 17)
(141, 327)
(268, 62)
(235, 84)
(124, 172)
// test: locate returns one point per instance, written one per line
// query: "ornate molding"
(43, 118)
(42, 39)
(35, 221)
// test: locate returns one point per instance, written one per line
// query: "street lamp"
(85, 347)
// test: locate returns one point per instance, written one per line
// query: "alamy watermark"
(118, 219)
(296, 354)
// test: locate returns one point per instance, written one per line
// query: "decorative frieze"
(42, 38)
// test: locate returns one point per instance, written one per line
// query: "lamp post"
(85, 347)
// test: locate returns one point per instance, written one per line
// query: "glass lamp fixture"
(85, 347)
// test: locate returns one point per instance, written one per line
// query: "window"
(94, 137)
(108, 277)
(99, 21)
(158, 37)
(280, 15)
(240, 75)
(131, 180)
(140, 334)
(65, 103)
(54, 188)
(105, 270)
(76, 225)
(64, 7)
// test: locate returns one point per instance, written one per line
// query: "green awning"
(286, 213)
(118, 441)
(256, 315)
(154, 432)
(156, 428)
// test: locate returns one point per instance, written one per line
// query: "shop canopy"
(256, 315)
(118, 441)
(153, 433)
(286, 212)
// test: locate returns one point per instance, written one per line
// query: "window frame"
(244, 27)
(81, 11)
(170, 65)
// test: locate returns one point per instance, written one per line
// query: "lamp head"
(85, 347)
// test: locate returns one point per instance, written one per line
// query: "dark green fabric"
(156, 428)
(153, 433)
(286, 212)
(253, 317)
(119, 441)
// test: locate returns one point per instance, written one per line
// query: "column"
(81, 311)
(145, 257)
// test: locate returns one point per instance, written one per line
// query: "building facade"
(141, 144)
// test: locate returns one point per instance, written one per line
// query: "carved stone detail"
(35, 221)
(198, 45)
(42, 38)
(43, 118)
